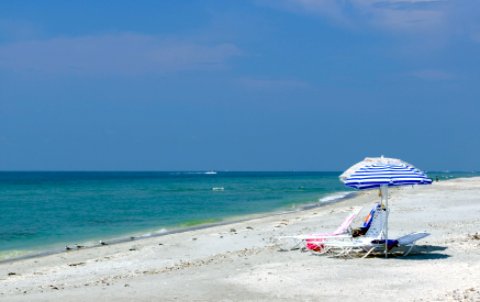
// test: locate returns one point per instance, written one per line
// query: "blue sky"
(238, 85)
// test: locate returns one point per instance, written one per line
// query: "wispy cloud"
(398, 15)
(271, 84)
(432, 74)
(122, 53)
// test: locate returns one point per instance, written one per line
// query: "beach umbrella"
(382, 172)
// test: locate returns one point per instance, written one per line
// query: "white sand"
(242, 261)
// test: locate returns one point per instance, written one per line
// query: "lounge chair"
(350, 245)
(408, 241)
(372, 241)
(313, 241)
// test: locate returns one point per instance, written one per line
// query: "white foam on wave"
(13, 254)
(334, 197)
(162, 230)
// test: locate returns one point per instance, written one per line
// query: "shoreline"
(178, 230)
(244, 261)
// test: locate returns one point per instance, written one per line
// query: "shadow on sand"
(426, 252)
(423, 252)
(419, 252)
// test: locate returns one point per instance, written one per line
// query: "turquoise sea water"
(48, 210)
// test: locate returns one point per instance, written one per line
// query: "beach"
(245, 261)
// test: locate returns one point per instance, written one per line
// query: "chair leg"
(296, 246)
(323, 250)
(339, 253)
(368, 253)
(343, 252)
(409, 250)
(348, 251)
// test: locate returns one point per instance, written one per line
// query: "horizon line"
(217, 171)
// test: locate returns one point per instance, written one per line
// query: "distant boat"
(218, 189)
(210, 173)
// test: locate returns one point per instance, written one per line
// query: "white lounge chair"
(410, 240)
(373, 240)
(347, 245)
(314, 241)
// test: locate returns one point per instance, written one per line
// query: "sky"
(238, 85)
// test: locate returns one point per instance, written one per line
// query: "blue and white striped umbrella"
(375, 172)
(382, 172)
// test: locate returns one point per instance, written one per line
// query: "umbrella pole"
(384, 191)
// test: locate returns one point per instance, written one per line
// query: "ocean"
(45, 211)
